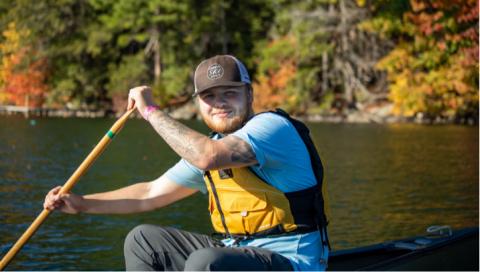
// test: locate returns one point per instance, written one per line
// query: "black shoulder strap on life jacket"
(304, 133)
(317, 168)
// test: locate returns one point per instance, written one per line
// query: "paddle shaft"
(94, 154)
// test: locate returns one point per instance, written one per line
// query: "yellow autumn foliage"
(442, 91)
(10, 45)
(434, 68)
(22, 74)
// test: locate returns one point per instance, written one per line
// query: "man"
(262, 174)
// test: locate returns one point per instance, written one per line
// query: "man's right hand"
(67, 203)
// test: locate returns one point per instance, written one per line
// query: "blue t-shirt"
(284, 163)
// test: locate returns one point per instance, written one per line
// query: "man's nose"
(220, 101)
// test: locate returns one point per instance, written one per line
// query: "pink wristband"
(148, 111)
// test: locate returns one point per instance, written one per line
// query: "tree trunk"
(223, 28)
(156, 51)
(27, 102)
(345, 50)
(324, 72)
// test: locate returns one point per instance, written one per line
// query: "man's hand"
(67, 203)
(140, 97)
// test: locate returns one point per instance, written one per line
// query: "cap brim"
(220, 84)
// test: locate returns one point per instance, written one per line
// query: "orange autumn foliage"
(22, 77)
(277, 70)
(269, 91)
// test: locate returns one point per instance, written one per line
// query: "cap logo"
(214, 71)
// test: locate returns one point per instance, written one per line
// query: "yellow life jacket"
(242, 204)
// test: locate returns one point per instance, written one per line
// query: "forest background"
(401, 58)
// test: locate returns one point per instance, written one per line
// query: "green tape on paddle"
(110, 134)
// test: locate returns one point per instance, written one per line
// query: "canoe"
(440, 249)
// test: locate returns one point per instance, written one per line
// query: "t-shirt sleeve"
(271, 137)
(187, 175)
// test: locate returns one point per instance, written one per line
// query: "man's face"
(225, 109)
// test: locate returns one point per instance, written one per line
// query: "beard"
(228, 125)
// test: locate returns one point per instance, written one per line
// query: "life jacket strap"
(274, 232)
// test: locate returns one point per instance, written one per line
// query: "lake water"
(384, 182)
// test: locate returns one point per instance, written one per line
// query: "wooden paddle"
(95, 153)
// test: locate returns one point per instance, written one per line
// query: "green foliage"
(174, 80)
(130, 72)
(388, 19)
(325, 106)
(295, 38)
(273, 55)
(97, 45)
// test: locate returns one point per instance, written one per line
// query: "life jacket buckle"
(237, 240)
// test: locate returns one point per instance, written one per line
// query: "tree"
(433, 69)
(275, 72)
(58, 34)
(172, 37)
(97, 50)
(22, 74)
(334, 59)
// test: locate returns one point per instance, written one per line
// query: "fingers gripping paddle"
(94, 154)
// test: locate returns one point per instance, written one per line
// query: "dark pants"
(149, 247)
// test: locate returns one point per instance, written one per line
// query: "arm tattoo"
(194, 146)
(241, 152)
(186, 142)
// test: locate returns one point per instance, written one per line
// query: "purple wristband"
(148, 111)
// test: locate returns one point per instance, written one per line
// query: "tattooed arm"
(196, 148)
(199, 149)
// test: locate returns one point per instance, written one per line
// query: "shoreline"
(365, 118)
(353, 117)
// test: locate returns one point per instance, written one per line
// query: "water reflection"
(392, 181)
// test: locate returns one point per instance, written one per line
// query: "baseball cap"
(221, 70)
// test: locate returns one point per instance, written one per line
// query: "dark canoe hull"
(458, 251)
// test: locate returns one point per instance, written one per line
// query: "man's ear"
(250, 94)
